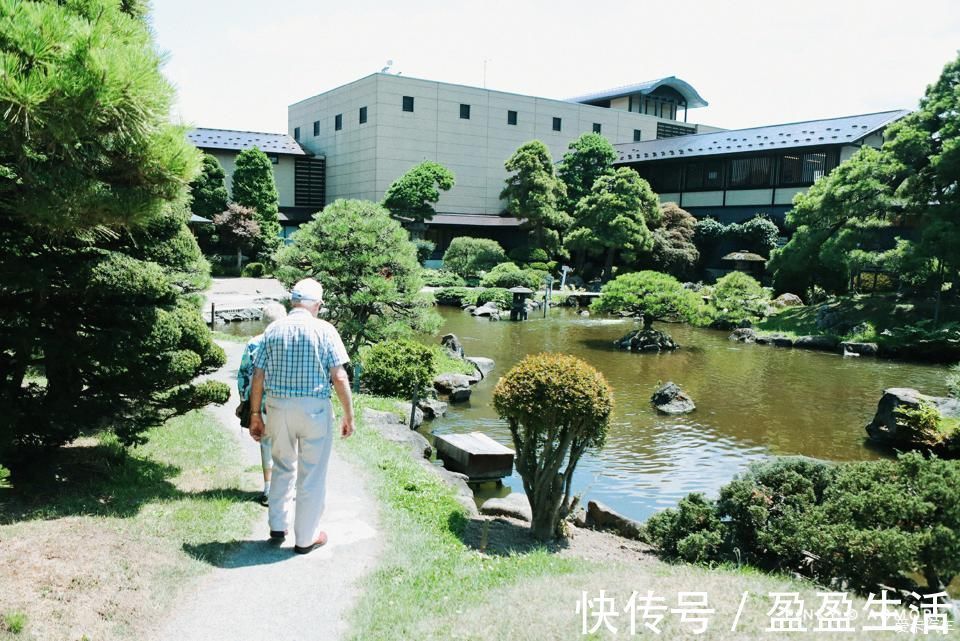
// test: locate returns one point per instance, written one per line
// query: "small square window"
(296, 133)
(363, 115)
(636, 135)
(557, 124)
(274, 158)
(511, 117)
(316, 127)
(596, 127)
(338, 122)
(408, 103)
(465, 112)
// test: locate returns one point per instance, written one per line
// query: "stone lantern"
(518, 310)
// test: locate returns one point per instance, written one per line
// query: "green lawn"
(102, 551)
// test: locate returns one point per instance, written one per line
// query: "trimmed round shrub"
(468, 256)
(397, 368)
(539, 266)
(549, 444)
(500, 296)
(454, 296)
(424, 249)
(691, 531)
(651, 296)
(440, 278)
(738, 297)
(253, 270)
(507, 275)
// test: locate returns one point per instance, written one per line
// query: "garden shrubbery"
(853, 525)
(500, 296)
(738, 297)
(468, 256)
(454, 296)
(253, 270)
(507, 275)
(440, 278)
(397, 368)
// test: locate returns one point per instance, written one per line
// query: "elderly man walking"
(298, 365)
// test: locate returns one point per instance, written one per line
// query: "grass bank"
(101, 553)
(434, 583)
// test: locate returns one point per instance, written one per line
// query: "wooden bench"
(477, 455)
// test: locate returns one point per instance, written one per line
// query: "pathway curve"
(264, 593)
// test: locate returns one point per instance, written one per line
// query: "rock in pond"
(446, 383)
(781, 341)
(487, 309)
(670, 399)
(513, 505)
(603, 517)
(432, 408)
(861, 349)
(404, 409)
(646, 340)
(459, 395)
(469, 308)
(484, 365)
(451, 343)
(825, 343)
(744, 335)
(888, 427)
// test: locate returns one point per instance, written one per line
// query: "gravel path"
(263, 593)
(243, 292)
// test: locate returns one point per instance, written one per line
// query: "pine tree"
(208, 190)
(534, 194)
(253, 186)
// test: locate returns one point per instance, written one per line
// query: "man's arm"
(256, 402)
(341, 383)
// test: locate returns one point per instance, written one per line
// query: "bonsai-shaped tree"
(650, 296)
(557, 406)
(468, 256)
(413, 195)
(738, 296)
(254, 187)
(535, 195)
(238, 227)
(208, 191)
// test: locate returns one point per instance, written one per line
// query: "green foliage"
(413, 195)
(237, 228)
(613, 218)
(14, 622)
(254, 187)
(650, 295)
(673, 250)
(253, 270)
(758, 235)
(498, 295)
(527, 254)
(369, 271)
(923, 425)
(208, 191)
(468, 256)
(398, 368)
(540, 267)
(85, 138)
(535, 195)
(454, 296)
(589, 157)
(580, 402)
(440, 278)
(691, 532)
(507, 275)
(424, 249)
(738, 297)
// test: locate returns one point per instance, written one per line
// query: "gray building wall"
(283, 173)
(364, 159)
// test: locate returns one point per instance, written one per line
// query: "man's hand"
(346, 426)
(256, 427)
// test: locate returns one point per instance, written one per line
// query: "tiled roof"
(239, 140)
(682, 87)
(845, 130)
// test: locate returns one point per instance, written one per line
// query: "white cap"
(307, 289)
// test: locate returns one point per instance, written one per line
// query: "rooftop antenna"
(387, 68)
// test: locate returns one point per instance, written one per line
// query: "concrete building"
(373, 130)
(298, 173)
(735, 175)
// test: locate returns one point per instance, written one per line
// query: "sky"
(237, 64)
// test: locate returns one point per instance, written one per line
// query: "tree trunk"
(608, 265)
(647, 322)
(936, 307)
(239, 259)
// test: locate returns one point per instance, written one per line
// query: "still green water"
(753, 401)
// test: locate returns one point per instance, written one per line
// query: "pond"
(753, 402)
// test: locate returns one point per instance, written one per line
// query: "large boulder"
(744, 335)
(860, 349)
(487, 309)
(605, 518)
(513, 505)
(461, 489)
(446, 383)
(646, 340)
(670, 399)
(393, 427)
(781, 341)
(459, 395)
(825, 343)
(432, 408)
(451, 343)
(787, 300)
(484, 365)
(890, 428)
(404, 409)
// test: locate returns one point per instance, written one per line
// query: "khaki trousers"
(301, 433)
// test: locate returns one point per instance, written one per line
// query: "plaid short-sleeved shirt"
(297, 354)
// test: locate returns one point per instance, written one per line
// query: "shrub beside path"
(261, 592)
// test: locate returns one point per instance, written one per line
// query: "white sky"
(238, 64)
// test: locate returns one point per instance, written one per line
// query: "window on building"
(309, 182)
(511, 117)
(316, 127)
(363, 115)
(664, 177)
(750, 172)
(557, 124)
(408, 103)
(791, 169)
(814, 166)
(274, 159)
(596, 127)
(693, 176)
(465, 111)
(296, 133)
(338, 122)
(713, 174)
(637, 134)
